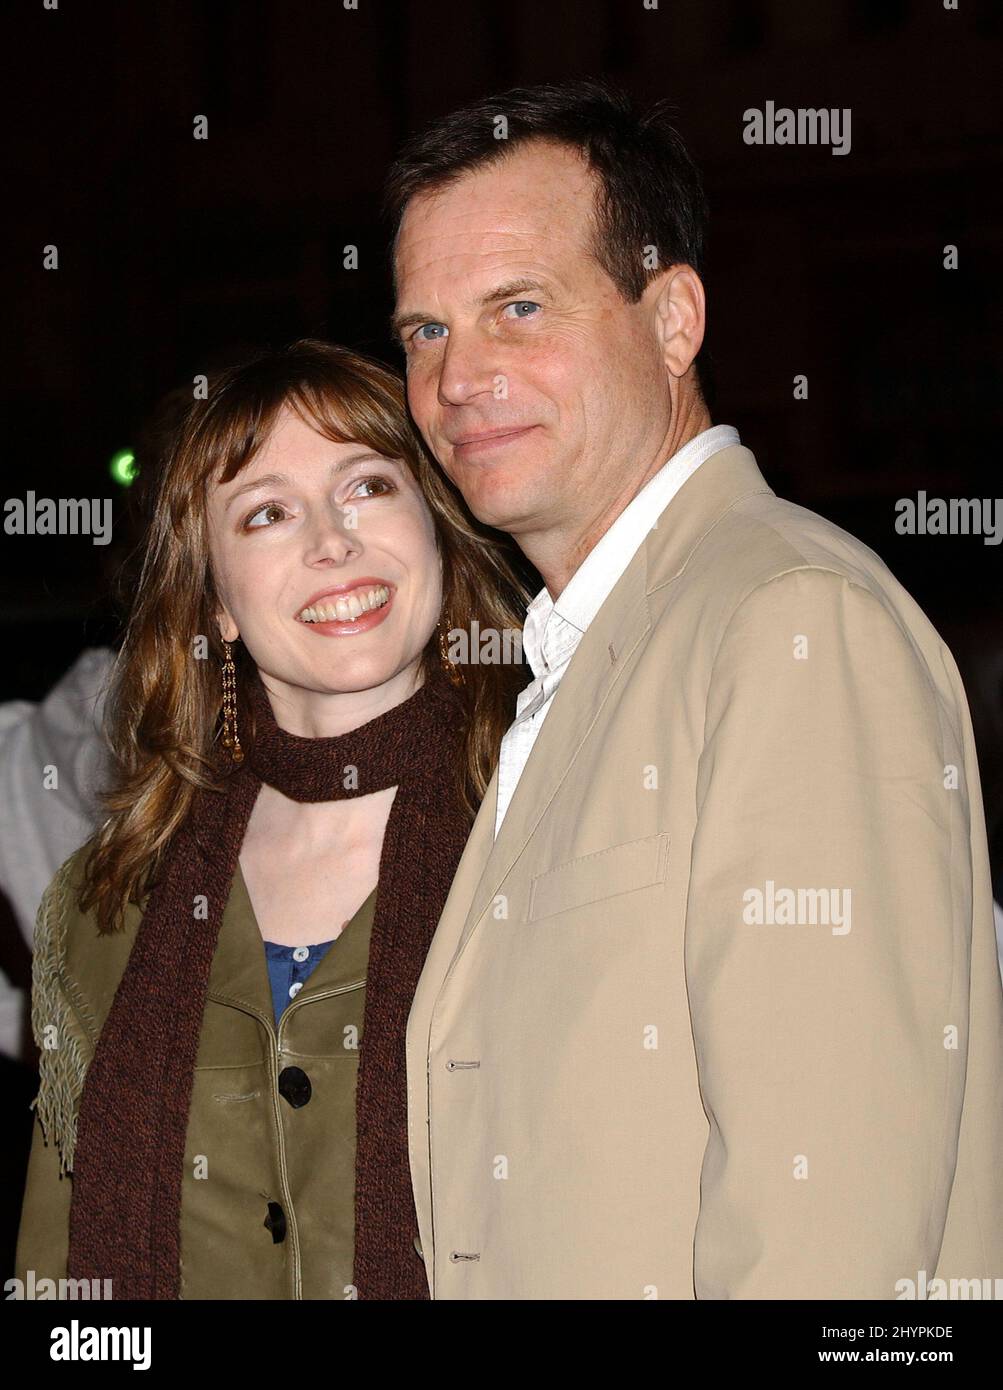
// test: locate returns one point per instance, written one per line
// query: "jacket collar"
(623, 621)
(723, 481)
(595, 578)
(239, 973)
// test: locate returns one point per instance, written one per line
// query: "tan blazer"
(719, 1014)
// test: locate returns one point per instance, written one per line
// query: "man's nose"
(468, 368)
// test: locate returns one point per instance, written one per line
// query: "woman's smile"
(344, 611)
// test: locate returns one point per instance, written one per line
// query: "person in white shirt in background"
(52, 762)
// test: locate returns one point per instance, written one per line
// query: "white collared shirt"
(552, 631)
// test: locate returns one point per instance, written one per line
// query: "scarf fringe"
(62, 1064)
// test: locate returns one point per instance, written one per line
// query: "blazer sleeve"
(828, 936)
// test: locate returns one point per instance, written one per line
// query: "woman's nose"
(333, 535)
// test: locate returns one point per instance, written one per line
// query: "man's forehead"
(532, 200)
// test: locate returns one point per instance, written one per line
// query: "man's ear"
(680, 316)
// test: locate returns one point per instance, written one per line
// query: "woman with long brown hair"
(223, 973)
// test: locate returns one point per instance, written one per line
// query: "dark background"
(175, 254)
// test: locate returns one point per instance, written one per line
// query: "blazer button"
(417, 1246)
(294, 1086)
(275, 1222)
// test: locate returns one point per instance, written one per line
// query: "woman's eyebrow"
(280, 479)
(266, 480)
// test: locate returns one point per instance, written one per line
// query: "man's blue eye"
(521, 304)
(422, 329)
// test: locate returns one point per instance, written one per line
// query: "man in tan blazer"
(713, 1008)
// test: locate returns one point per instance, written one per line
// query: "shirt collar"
(552, 629)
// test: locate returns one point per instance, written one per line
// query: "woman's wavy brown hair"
(163, 711)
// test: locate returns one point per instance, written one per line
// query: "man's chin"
(510, 509)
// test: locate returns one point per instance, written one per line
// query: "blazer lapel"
(622, 622)
(617, 628)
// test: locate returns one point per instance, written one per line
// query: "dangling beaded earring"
(230, 738)
(451, 669)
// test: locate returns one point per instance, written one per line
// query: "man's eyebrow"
(280, 479)
(399, 322)
(511, 288)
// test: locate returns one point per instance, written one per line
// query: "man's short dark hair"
(648, 192)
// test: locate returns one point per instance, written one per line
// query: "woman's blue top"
(289, 968)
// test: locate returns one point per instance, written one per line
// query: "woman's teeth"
(343, 608)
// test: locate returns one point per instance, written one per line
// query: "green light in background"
(123, 467)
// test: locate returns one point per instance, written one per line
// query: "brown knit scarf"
(128, 1169)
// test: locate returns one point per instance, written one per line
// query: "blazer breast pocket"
(591, 878)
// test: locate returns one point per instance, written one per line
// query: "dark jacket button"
(417, 1245)
(275, 1222)
(294, 1086)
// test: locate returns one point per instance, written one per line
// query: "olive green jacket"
(262, 1145)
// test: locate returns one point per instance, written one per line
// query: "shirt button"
(295, 989)
(301, 953)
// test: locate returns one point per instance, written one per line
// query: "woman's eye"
(251, 524)
(382, 482)
(436, 332)
(521, 306)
